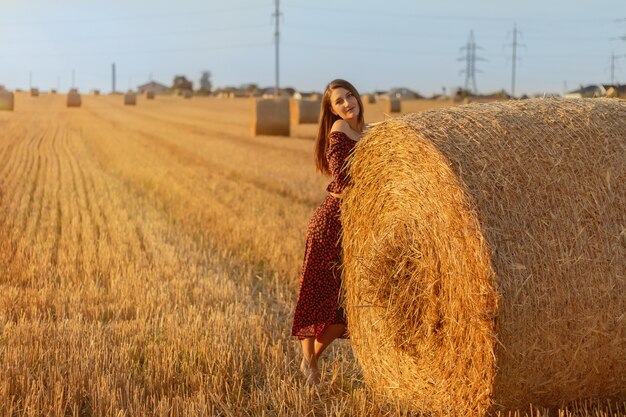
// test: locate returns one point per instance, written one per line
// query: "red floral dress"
(320, 279)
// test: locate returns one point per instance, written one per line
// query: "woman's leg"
(326, 338)
(309, 360)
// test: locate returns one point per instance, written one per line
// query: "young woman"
(319, 319)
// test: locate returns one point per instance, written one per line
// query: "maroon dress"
(320, 279)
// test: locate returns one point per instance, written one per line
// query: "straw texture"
(73, 99)
(270, 116)
(485, 255)
(7, 101)
(305, 111)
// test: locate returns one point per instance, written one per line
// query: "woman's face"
(344, 104)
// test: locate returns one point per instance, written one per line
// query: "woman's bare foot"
(311, 372)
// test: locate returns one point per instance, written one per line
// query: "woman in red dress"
(319, 319)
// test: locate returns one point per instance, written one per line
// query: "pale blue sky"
(374, 44)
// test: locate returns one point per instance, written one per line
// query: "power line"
(136, 35)
(409, 15)
(446, 17)
(135, 17)
(144, 51)
(378, 32)
(367, 50)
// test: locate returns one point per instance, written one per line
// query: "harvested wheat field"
(149, 259)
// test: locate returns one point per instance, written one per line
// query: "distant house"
(299, 95)
(154, 87)
(587, 92)
(284, 92)
(403, 93)
(381, 95)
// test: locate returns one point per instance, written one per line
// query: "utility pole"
(514, 45)
(113, 78)
(30, 80)
(612, 67)
(277, 39)
(470, 59)
(73, 79)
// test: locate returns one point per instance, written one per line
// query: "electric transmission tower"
(514, 59)
(470, 59)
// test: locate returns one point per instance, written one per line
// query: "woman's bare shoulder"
(341, 126)
(344, 127)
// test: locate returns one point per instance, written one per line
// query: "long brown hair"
(328, 118)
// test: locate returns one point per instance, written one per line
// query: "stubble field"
(149, 261)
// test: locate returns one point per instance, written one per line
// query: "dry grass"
(149, 258)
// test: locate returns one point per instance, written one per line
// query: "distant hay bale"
(7, 100)
(96, 92)
(485, 255)
(73, 99)
(187, 94)
(34, 92)
(392, 105)
(53, 91)
(305, 111)
(130, 99)
(368, 99)
(150, 95)
(270, 116)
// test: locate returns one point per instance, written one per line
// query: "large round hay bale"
(305, 111)
(34, 92)
(73, 99)
(368, 98)
(7, 100)
(130, 99)
(150, 95)
(270, 116)
(392, 105)
(485, 255)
